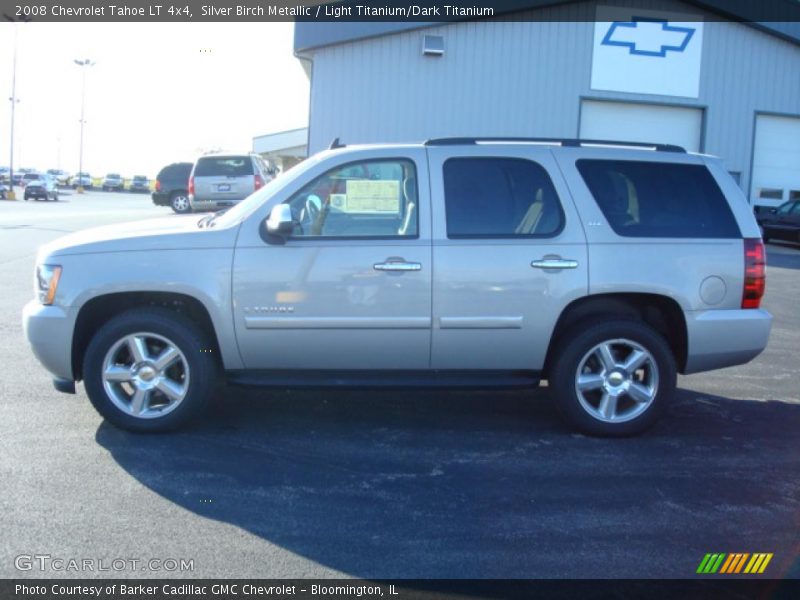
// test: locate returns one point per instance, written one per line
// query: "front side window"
(656, 199)
(500, 197)
(376, 198)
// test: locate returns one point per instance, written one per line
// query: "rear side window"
(224, 166)
(500, 197)
(654, 199)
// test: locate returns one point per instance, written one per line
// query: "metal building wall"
(517, 78)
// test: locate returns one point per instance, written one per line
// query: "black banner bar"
(423, 589)
(421, 11)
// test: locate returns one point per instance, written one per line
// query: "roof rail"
(566, 142)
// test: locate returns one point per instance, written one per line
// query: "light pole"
(82, 64)
(14, 100)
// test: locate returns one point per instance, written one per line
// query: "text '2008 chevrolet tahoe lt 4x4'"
(603, 268)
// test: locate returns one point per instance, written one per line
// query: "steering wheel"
(312, 208)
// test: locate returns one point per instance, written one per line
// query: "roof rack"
(566, 142)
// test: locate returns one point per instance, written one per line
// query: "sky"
(158, 93)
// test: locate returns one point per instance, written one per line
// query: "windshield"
(249, 205)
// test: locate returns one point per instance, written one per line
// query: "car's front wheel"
(179, 202)
(613, 378)
(149, 370)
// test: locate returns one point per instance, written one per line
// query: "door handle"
(397, 266)
(554, 263)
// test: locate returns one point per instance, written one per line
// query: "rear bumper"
(49, 331)
(160, 198)
(725, 338)
(201, 205)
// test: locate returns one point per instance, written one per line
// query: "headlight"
(46, 282)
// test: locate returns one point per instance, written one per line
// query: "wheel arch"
(662, 313)
(99, 310)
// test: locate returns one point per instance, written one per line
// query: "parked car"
(139, 184)
(604, 270)
(44, 187)
(4, 188)
(83, 180)
(17, 178)
(782, 223)
(61, 176)
(30, 176)
(222, 180)
(172, 187)
(113, 182)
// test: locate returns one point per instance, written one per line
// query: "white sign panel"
(647, 52)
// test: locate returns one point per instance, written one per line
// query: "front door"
(351, 287)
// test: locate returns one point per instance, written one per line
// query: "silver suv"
(603, 268)
(221, 180)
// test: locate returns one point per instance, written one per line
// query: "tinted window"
(500, 197)
(654, 199)
(224, 166)
(364, 199)
(179, 171)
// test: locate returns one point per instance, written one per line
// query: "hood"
(170, 233)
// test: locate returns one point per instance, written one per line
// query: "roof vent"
(432, 45)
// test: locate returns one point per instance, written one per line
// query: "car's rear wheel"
(180, 203)
(613, 378)
(149, 370)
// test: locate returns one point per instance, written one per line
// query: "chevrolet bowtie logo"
(648, 37)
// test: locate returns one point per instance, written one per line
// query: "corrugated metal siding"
(527, 78)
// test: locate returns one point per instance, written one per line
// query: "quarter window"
(500, 197)
(364, 199)
(655, 199)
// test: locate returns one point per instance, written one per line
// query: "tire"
(130, 396)
(605, 406)
(179, 201)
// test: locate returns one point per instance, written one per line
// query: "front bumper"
(725, 338)
(49, 331)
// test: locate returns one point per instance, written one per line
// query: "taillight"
(259, 182)
(191, 185)
(158, 185)
(755, 276)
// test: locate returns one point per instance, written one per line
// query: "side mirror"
(280, 222)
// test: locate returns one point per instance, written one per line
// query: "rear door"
(223, 178)
(509, 254)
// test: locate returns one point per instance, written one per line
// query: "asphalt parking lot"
(393, 485)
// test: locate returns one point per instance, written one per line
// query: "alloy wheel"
(616, 381)
(145, 375)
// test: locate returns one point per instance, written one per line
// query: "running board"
(385, 379)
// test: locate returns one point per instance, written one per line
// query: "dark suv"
(172, 187)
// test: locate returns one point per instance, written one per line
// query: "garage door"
(776, 160)
(641, 123)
